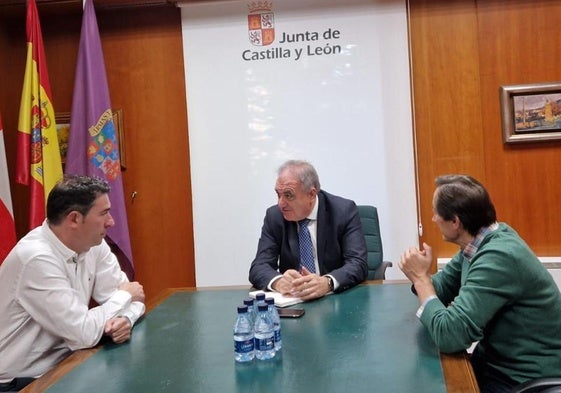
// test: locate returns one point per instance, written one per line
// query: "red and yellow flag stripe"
(38, 159)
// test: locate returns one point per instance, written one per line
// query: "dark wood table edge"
(457, 370)
(458, 373)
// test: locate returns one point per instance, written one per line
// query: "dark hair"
(74, 193)
(465, 197)
(305, 172)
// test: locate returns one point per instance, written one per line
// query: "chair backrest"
(371, 228)
(540, 385)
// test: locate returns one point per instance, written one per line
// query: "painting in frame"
(531, 112)
(63, 132)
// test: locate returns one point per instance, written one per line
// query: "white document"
(280, 300)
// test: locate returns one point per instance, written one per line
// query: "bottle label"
(245, 346)
(265, 344)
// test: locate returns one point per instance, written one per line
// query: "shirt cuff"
(127, 318)
(335, 282)
(422, 308)
(134, 312)
(270, 285)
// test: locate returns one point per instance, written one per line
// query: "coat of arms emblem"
(261, 23)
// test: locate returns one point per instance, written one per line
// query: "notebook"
(280, 300)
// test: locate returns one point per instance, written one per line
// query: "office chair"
(371, 228)
(540, 385)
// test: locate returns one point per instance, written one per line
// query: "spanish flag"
(38, 156)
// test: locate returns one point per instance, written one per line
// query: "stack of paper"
(280, 300)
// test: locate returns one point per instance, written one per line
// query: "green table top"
(363, 340)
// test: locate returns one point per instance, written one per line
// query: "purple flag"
(92, 145)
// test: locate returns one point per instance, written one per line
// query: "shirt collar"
(314, 213)
(470, 250)
(66, 253)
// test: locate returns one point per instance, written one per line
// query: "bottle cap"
(248, 301)
(263, 307)
(242, 309)
(270, 300)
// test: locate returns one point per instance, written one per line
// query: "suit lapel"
(321, 231)
(292, 234)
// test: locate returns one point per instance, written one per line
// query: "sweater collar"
(470, 250)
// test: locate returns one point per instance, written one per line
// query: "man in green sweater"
(494, 291)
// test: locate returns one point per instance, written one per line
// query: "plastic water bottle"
(274, 314)
(264, 334)
(243, 336)
(259, 298)
(251, 309)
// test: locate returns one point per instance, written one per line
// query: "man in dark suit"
(337, 242)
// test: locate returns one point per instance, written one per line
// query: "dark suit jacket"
(341, 246)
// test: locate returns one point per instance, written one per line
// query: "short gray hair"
(305, 172)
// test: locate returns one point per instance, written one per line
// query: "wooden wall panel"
(462, 51)
(518, 44)
(447, 111)
(144, 60)
(144, 56)
(11, 80)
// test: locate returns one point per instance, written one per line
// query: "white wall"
(348, 113)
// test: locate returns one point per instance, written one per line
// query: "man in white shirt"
(49, 278)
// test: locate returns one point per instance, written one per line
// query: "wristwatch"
(331, 283)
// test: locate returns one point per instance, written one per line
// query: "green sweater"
(505, 299)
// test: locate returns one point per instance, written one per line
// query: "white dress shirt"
(45, 292)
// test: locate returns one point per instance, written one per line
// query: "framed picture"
(63, 132)
(531, 113)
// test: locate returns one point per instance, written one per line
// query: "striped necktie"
(306, 248)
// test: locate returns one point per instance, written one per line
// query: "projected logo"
(261, 23)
